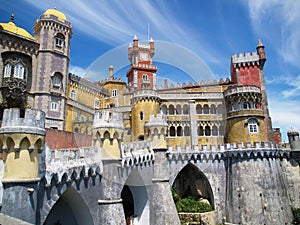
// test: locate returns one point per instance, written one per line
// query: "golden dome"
(11, 27)
(56, 13)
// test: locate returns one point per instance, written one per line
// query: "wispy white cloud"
(278, 21)
(77, 70)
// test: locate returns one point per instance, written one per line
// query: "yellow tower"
(22, 139)
(245, 117)
(144, 103)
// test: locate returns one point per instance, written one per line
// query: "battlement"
(144, 94)
(136, 153)
(227, 147)
(32, 121)
(247, 57)
(108, 119)
(156, 120)
(190, 84)
(144, 45)
(70, 161)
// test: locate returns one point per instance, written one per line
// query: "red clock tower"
(141, 74)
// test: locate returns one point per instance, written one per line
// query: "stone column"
(163, 210)
(193, 124)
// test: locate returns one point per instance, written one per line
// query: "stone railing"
(136, 153)
(107, 119)
(191, 96)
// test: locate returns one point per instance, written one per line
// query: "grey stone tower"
(50, 80)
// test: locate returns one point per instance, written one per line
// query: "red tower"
(141, 74)
(248, 69)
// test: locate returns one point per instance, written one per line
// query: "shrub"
(192, 206)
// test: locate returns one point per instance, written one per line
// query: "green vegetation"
(192, 206)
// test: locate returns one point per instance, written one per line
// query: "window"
(198, 109)
(252, 126)
(7, 70)
(73, 94)
(19, 71)
(54, 106)
(59, 40)
(186, 109)
(56, 80)
(145, 77)
(97, 103)
(186, 131)
(179, 131)
(206, 109)
(207, 131)
(178, 110)
(114, 92)
(141, 115)
(200, 131)
(171, 109)
(172, 131)
(213, 109)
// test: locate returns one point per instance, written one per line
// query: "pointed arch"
(70, 208)
(190, 181)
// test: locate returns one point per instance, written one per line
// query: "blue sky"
(208, 32)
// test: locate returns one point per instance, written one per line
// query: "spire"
(135, 38)
(151, 39)
(12, 17)
(260, 44)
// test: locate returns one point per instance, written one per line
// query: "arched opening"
(171, 109)
(135, 200)
(193, 185)
(185, 109)
(172, 131)
(69, 209)
(178, 110)
(206, 109)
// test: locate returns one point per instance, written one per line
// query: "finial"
(12, 17)
(260, 44)
(151, 40)
(111, 71)
(54, 7)
(135, 38)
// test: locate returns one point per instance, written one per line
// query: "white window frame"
(7, 70)
(19, 71)
(59, 42)
(54, 106)
(253, 126)
(73, 94)
(114, 92)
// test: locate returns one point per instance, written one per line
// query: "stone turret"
(294, 141)
(108, 132)
(22, 138)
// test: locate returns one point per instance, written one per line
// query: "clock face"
(144, 56)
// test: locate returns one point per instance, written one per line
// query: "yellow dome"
(11, 27)
(56, 13)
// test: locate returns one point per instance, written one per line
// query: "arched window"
(186, 131)
(56, 79)
(206, 109)
(214, 130)
(178, 110)
(246, 105)
(213, 109)
(172, 131)
(163, 109)
(7, 70)
(252, 126)
(200, 131)
(220, 109)
(145, 77)
(19, 71)
(179, 131)
(73, 94)
(171, 110)
(221, 130)
(199, 109)
(186, 109)
(207, 131)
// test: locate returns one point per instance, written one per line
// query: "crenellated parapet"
(108, 119)
(170, 86)
(245, 59)
(22, 137)
(256, 150)
(68, 163)
(137, 153)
